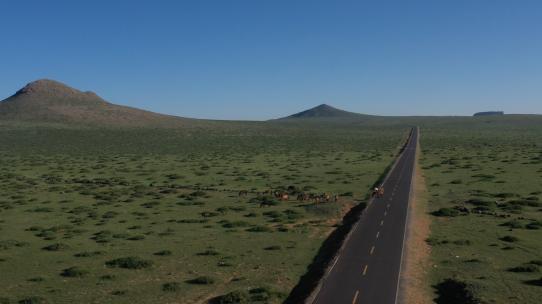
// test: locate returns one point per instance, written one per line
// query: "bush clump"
(74, 272)
(534, 282)
(33, 300)
(234, 224)
(129, 263)
(87, 254)
(209, 252)
(509, 239)
(56, 247)
(203, 280)
(453, 291)
(274, 247)
(259, 229)
(516, 224)
(481, 202)
(446, 212)
(171, 287)
(234, 297)
(525, 268)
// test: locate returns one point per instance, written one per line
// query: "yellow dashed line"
(355, 297)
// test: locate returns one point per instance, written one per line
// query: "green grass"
(165, 202)
(484, 178)
(139, 215)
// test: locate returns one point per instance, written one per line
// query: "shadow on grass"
(316, 270)
(534, 282)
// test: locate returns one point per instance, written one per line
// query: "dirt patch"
(416, 264)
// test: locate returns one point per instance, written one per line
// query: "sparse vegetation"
(493, 207)
(114, 207)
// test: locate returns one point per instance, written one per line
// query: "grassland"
(484, 178)
(154, 216)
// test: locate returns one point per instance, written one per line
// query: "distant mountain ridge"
(324, 111)
(51, 101)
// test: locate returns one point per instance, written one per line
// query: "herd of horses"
(300, 196)
(316, 198)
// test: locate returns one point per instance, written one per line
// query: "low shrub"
(74, 272)
(274, 247)
(129, 263)
(463, 242)
(33, 300)
(171, 287)
(209, 252)
(87, 254)
(446, 212)
(513, 224)
(203, 280)
(234, 224)
(234, 297)
(534, 282)
(259, 229)
(509, 238)
(107, 277)
(56, 247)
(534, 225)
(525, 268)
(505, 195)
(452, 291)
(481, 202)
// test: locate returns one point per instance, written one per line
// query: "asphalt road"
(367, 269)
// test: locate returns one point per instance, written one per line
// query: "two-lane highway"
(368, 267)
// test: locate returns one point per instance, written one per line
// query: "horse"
(381, 192)
(375, 192)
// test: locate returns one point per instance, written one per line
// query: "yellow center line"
(355, 297)
(365, 269)
(372, 250)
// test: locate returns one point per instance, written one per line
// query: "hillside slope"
(49, 101)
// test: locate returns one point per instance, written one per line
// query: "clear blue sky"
(260, 59)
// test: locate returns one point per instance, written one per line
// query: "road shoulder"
(413, 284)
